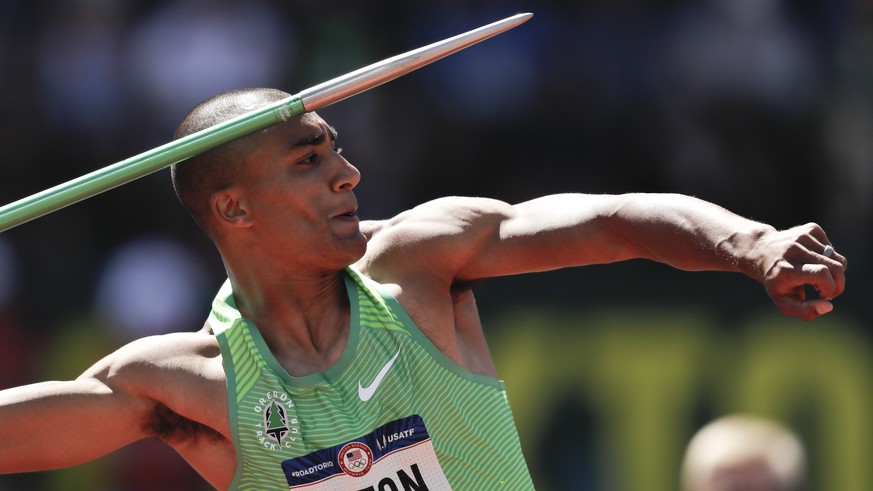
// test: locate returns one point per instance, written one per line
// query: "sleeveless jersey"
(393, 413)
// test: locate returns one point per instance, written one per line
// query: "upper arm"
(552, 232)
(105, 408)
(173, 370)
(471, 238)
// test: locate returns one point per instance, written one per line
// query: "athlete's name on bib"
(397, 456)
(405, 482)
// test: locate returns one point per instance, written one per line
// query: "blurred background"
(762, 106)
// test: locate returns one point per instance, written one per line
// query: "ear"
(230, 207)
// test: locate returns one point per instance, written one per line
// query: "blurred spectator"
(78, 63)
(744, 453)
(741, 80)
(746, 48)
(8, 273)
(848, 130)
(186, 50)
(152, 285)
(16, 348)
(479, 85)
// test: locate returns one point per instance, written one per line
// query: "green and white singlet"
(393, 413)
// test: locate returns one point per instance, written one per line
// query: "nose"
(347, 177)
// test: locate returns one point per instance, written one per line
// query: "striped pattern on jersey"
(277, 417)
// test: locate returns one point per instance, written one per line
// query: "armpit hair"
(462, 286)
(174, 428)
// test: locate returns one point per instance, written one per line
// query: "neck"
(303, 319)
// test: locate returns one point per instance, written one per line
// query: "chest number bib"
(398, 456)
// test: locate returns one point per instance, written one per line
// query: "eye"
(334, 145)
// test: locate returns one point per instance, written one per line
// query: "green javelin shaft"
(316, 97)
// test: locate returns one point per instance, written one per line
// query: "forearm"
(60, 424)
(688, 233)
(565, 230)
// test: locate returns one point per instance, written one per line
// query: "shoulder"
(434, 222)
(437, 236)
(178, 377)
(451, 210)
(150, 365)
(166, 347)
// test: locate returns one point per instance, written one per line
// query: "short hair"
(197, 178)
(739, 444)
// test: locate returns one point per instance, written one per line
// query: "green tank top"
(393, 413)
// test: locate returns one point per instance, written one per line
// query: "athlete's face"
(299, 198)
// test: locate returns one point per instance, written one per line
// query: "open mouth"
(348, 214)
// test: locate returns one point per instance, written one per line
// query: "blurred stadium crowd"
(763, 106)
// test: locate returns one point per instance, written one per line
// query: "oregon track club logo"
(276, 429)
(355, 459)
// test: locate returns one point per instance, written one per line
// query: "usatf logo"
(355, 459)
(277, 428)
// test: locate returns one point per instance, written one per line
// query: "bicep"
(59, 424)
(472, 238)
(549, 233)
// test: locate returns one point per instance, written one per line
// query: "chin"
(361, 248)
(354, 248)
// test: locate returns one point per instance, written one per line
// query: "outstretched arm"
(471, 238)
(51, 425)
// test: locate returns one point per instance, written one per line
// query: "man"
(350, 354)
(741, 452)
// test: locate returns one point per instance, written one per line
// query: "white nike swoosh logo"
(365, 393)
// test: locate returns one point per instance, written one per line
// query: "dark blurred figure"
(18, 344)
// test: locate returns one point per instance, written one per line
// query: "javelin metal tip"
(370, 76)
(321, 95)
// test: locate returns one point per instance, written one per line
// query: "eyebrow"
(315, 139)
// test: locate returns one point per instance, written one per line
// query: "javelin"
(313, 98)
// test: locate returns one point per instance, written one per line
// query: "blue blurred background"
(762, 106)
